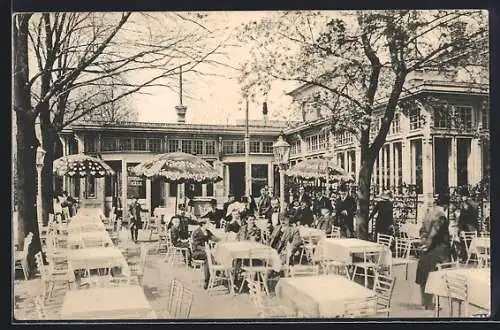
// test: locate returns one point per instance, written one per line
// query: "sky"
(213, 99)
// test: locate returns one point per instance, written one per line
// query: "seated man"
(214, 214)
(235, 223)
(284, 234)
(176, 236)
(200, 236)
(249, 231)
(325, 221)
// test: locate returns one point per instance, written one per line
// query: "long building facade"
(429, 147)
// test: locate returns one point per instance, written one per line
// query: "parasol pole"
(176, 196)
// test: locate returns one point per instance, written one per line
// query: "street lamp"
(40, 155)
(281, 151)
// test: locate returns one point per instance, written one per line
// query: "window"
(154, 145)
(395, 125)
(295, 147)
(387, 163)
(193, 189)
(463, 152)
(125, 144)
(210, 147)
(108, 144)
(172, 189)
(136, 186)
(322, 141)
(240, 147)
(485, 118)
(255, 147)
(74, 186)
(259, 178)
(198, 147)
(463, 116)
(352, 158)
(344, 138)
(267, 147)
(442, 118)
(89, 144)
(415, 118)
(173, 145)
(227, 147)
(186, 146)
(90, 187)
(140, 144)
(341, 159)
(417, 173)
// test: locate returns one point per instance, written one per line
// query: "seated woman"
(178, 239)
(236, 222)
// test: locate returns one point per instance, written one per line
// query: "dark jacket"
(384, 220)
(214, 216)
(249, 233)
(176, 236)
(304, 198)
(467, 220)
(135, 212)
(199, 238)
(345, 222)
(264, 205)
(322, 202)
(233, 227)
(279, 239)
(304, 215)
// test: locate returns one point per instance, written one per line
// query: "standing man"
(135, 218)
(304, 197)
(383, 210)
(264, 203)
(304, 215)
(345, 208)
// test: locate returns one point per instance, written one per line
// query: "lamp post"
(40, 155)
(281, 151)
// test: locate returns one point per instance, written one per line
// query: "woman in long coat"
(435, 237)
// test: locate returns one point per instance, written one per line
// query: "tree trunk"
(49, 137)
(364, 183)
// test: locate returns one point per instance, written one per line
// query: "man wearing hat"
(383, 210)
(345, 208)
(199, 237)
(284, 234)
(215, 215)
(230, 200)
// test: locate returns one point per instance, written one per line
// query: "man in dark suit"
(304, 215)
(345, 208)
(199, 237)
(230, 200)
(303, 196)
(383, 209)
(325, 221)
(323, 201)
(284, 234)
(215, 215)
(264, 203)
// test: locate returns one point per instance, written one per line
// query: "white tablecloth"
(320, 296)
(222, 235)
(79, 226)
(126, 302)
(343, 249)
(90, 212)
(226, 252)
(97, 257)
(479, 287)
(76, 239)
(479, 242)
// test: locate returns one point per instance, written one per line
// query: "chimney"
(181, 113)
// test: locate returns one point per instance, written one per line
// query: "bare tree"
(80, 56)
(355, 59)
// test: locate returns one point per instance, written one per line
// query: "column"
(406, 161)
(427, 170)
(475, 162)
(270, 175)
(204, 190)
(148, 195)
(226, 180)
(452, 163)
(80, 144)
(396, 165)
(124, 190)
(99, 143)
(391, 165)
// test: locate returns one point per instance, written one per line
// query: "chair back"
(304, 270)
(483, 256)
(335, 232)
(174, 297)
(403, 248)
(40, 265)
(360, 308)
(168, 240)
(184, 306)
(468, 236)
(457, 288)
(256, 297)
(384, 288)
(384, 239)
(448, 265)
(264, 236)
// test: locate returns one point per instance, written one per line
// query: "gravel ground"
(220, 305)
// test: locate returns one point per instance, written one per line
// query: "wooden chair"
(174, 298)
(196, 263)
(371, 261)
(402, 254)
(304, 270)
(50, 277)
(184, 307)
(483, 256)
(266, 308)
(308, 248)
(264, 236)
(335, 233)
(467, 237)
(176, 255)
(385, 240)
(138, 269)
(360, 308)
(259, 271)
(21, 257)
(457, 290)
(218, 273)
(384, 288)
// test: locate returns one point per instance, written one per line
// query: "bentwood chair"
(457, 290)
(384, 288)
(218, 273)
(467, 237)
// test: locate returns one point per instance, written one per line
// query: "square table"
(343, 249)
(312, 233)
(320, 296)
(227, 251)
(478, 288)
(124, 302)
(97, 257)
(78, 226)
(76, 239)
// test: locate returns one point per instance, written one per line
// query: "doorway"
(441, 168)
(237, 179)
(157, 194)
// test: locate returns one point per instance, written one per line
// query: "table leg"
(436, 307)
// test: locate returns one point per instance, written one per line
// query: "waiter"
(345, 208)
